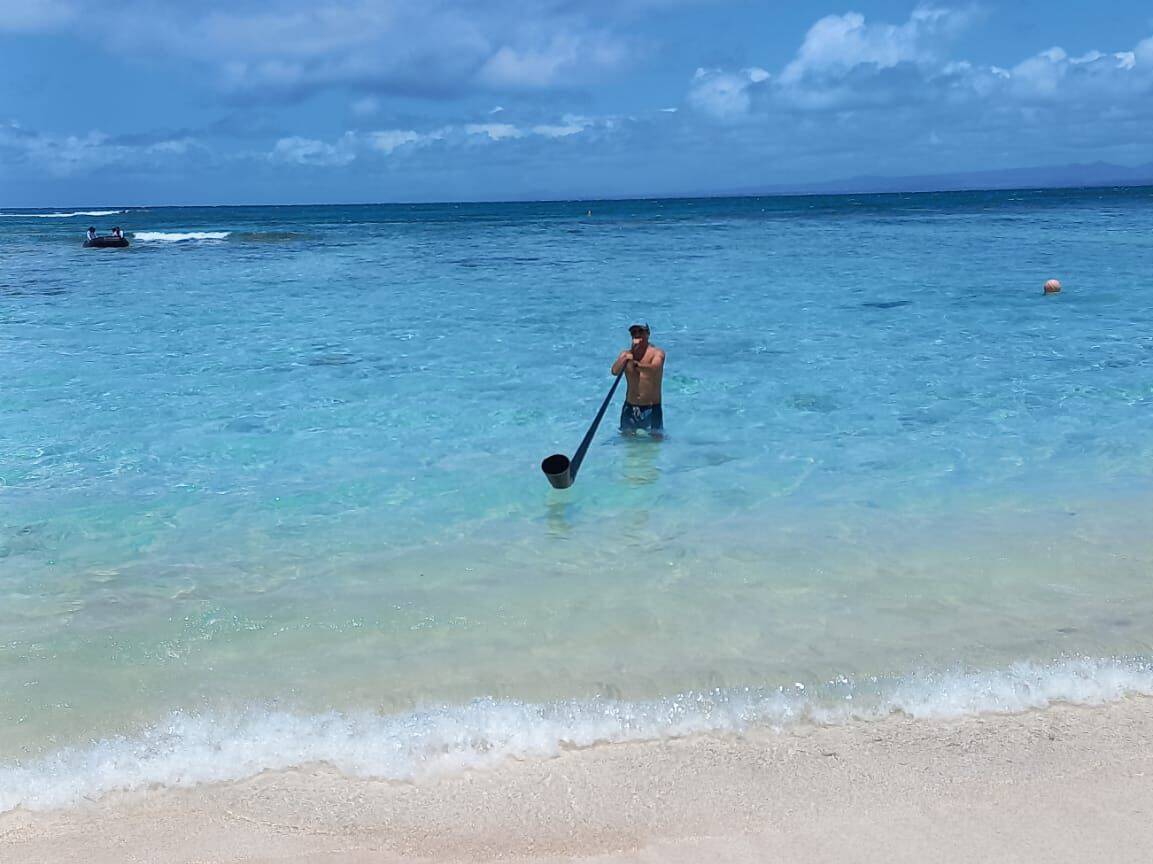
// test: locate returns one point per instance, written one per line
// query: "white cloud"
(549, 131)
(352, 146)
(495, 131)
(389, 140)
(176, 147)
(1040, 75)
(847, 63)
(308, 151)
(724, 95)
(1053, 76)
(544, 65)
(839, 43)
(69, 155)
(287, 49)
(571, 124)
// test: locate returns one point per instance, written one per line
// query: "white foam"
(179, 236)
(63, 215)
(192, 749)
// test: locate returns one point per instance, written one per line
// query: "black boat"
(106, 243)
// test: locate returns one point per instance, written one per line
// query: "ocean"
(270, 490)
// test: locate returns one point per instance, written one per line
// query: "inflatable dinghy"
(106, 243)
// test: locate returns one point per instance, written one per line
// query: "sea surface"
(270, 490)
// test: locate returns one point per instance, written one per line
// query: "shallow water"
(286, 459)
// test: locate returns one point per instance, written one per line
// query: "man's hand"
(624, 360)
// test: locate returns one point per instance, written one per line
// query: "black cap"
(634, 327)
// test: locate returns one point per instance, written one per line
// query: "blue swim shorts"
(648, 417)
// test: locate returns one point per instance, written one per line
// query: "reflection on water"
(640, 473)
(640, 462)
(558, 513)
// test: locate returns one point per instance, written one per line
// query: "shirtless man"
(644, 366)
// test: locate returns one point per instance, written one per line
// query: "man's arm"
(622, 361)
(657, 361)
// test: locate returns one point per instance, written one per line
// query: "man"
(644, 367)
(91, 234)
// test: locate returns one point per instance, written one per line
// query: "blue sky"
(281, 101)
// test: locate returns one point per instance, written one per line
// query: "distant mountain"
(1053, 176)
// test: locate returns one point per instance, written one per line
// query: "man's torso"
(644, 384)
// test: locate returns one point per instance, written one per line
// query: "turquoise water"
(283, 462)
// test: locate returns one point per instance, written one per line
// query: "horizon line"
(703, 196)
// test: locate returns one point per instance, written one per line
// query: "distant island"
(1047, 177)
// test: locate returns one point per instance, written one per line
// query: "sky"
(314, 101)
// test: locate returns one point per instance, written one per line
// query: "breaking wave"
(63, 215)
(190, 749)
(179, 236)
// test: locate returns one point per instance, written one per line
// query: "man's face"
(640, 338)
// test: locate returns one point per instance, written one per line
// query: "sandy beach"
(1065, 784)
